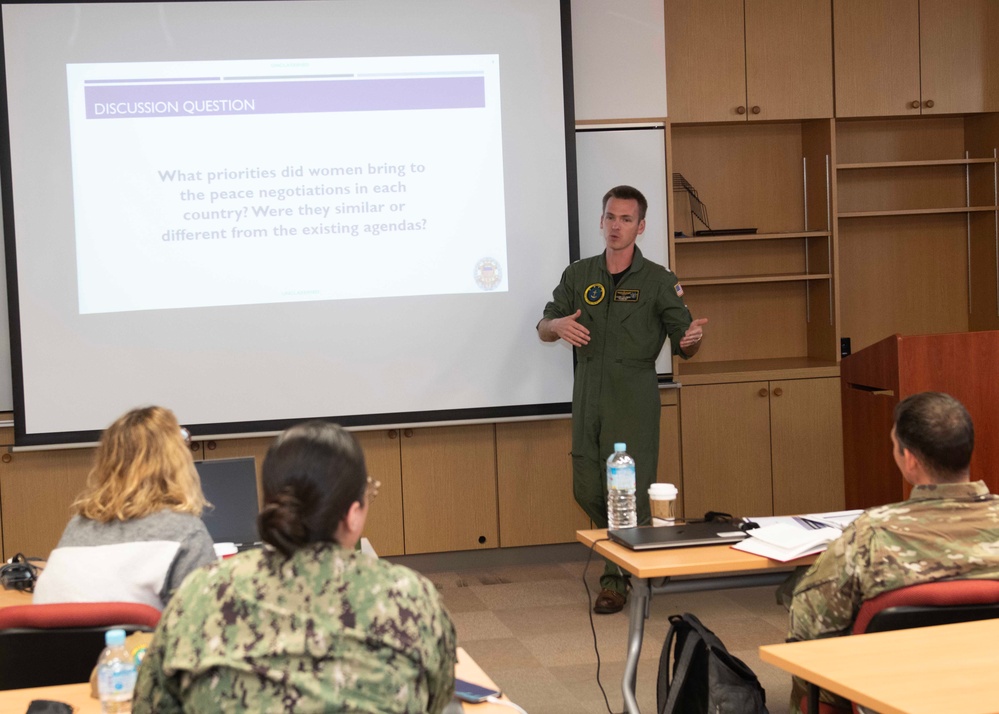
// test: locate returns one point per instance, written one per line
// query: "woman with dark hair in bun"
(307, 623)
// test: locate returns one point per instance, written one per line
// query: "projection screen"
(260, 212)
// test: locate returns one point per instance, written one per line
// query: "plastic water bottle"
(621, 489)
(116, 673)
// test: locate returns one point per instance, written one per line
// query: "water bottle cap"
(114, 638)
(620, 446)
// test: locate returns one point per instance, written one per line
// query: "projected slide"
(249, 182)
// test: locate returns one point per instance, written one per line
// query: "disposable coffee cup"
(662, 499)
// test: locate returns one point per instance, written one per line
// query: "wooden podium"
(872, 381)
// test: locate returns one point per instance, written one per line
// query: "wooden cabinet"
(806, 445)
(37, 490)
(534, 479)
(385, 525)
(769, 296)
(725, 429)
(739, 60)
(918, 225)
(669, 443)
(762, 447)
(449, 488)
(911, 57)
(534, 471)
(982, 139)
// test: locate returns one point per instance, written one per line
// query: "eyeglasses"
(372, 489)
(186, 435)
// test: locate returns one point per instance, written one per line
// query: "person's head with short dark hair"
(627, 193)
(315, 488)
(937, 430)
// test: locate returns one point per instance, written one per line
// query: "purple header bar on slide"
(281, 97)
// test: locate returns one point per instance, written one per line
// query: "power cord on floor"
(593, 629)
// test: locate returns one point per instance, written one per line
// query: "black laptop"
(678, 536)
(230, 485)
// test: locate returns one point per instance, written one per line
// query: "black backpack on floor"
(704, 678)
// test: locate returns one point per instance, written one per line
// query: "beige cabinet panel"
(37, 488)
(909, 57)
(669, 449)
(876, 57)
(449, 489)
(806, 440)
(534, 480)
(725, 430)
(384, 527)
(788, 59)
(760, 60)
(705, 60)
(762, 448)
(959, 53)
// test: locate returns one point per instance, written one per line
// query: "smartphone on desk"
(473, 693)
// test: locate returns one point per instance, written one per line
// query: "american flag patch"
(679, 289)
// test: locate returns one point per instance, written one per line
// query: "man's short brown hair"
(628, 193)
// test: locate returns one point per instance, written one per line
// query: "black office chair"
(44, 645)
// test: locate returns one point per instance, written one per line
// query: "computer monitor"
(230, 485)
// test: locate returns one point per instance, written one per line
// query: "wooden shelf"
(911, 164)
(743, 279)
(748, 370)
(917, 212)
(686, 240)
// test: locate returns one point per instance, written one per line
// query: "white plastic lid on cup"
(662, 492)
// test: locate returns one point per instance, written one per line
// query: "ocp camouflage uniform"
(615, 395)
(325, 630)
(943, 531)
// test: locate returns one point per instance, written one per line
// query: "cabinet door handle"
(393, 434)
(915, 104)
(408, 433)
(740, 110)
(778, 392)
(763, 391)
(929, 103)
(756, 110)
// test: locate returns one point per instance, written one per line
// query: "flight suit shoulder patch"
(594, 294)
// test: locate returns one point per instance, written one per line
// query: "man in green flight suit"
(617, 309)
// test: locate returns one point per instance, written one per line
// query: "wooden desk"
(713, 567)
(926, 670)
(78, 695)
(14, 597)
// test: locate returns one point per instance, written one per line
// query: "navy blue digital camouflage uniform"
(327, 629)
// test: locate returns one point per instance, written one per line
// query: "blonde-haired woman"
(137, 531)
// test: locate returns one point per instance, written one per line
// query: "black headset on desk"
(19, 573)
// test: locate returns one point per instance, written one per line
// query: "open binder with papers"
(789, 537)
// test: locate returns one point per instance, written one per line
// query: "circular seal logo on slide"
(487, 274)
(594, 294)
